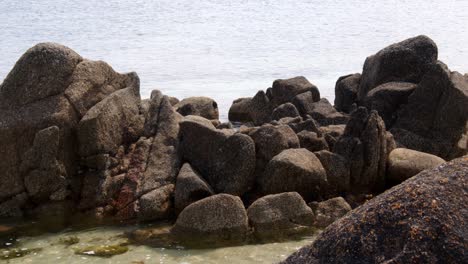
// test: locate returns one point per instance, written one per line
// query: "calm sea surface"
(227, 49)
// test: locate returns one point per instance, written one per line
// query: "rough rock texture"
(284, 90)
(338, 175)
(422, 220)
(321, 111)
(50, 89)
(190, 187)
(364, 146)
(200, 106)
(310, 141)
(293, 170)
(329, 211)
(405, 163)
(110, 123)
(275, 214)
(405, 61)
(226, 160)
(346, 89)
(156, 204)
(284, 110)
(435, 120)
(218, 217)
(387, 98)
(257, 109)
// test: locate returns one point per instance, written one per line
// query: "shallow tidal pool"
(54, 250)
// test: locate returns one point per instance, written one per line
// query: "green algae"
(17, 252)
(102, 250)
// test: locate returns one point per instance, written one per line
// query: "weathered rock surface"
(329, 211)
(405, 61)
(310, 141)
(435, 120)
(321, 111)
(284, 90)
(218, 217)
(200, 106)
(337, 169)
(226, 160)
(190, 187)
(387, 98)
(422, 220)
(405, 163)
(277, 214)
(346, 89)
(364, 146)
(257, 109)
(293, 170)
(284, 110)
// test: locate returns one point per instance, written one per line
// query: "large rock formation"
(226, 160)
(422, 220)
(435, 120)
(346, 89)
(405, 61)
(364, 146)
(200, 106)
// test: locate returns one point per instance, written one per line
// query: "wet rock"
(218, 217)
(364, 146)
(405, 163)
(293, 170)
(310, 141)
(226, 160)
(106, 251)
(200, 106)
(329, 211)
(110, 123)
(13, 208)
(18, 252)
(409, 223)
(337, 169)
(346, 89)
(387, 98)
(435, 120)
(405, 61)
(280, 214)
(284, 110)
(284, 90)
(190, 187)
(69, 240)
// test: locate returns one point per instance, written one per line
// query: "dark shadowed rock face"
(284, 110)
(284, 90)
(226, 160)
(405, 163)
(217, 218)
(201, 106)
(256, 109)
(338, 179)
(405, 61)
(329, 211)
(346, 89)
(311, 141)
(387, 98)
(293, 170)
(435, 119)
(321, 111)
(190, 187)
(275, 214)
(364, 145)
(422, 220)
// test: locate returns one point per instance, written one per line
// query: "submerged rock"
(102, 250)
(422, 220)
(12, 253)
(277, 215)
